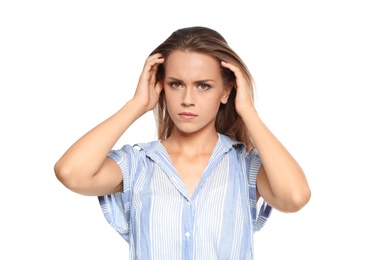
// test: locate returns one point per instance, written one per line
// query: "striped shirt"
(158, 218)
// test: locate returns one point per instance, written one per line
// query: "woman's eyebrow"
(173, 79)
(197, 81)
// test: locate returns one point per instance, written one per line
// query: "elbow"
(68, 177)
(298, 200)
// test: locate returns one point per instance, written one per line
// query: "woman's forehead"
(183, 64)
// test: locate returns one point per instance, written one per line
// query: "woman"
(193, 193)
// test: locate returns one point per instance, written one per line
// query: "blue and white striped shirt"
(158, 218)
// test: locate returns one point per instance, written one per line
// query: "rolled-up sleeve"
(116, 207)
(260, 210)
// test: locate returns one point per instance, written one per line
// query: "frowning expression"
(194, 90)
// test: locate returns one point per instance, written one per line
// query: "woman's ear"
(227, 91)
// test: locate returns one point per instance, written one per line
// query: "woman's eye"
(203, 86)
(175, 84)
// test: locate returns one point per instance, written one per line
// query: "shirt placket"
(188, 229)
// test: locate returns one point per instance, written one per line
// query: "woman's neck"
(193, 143)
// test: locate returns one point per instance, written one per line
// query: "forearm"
(287, 181)
(87, 154)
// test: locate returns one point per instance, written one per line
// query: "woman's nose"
(188, 99)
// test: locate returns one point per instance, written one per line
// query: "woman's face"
(193, 89)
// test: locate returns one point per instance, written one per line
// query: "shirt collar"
(224, 142)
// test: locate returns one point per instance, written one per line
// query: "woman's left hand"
(244, 96)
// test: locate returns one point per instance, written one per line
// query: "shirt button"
(187, 234)
(189, 203)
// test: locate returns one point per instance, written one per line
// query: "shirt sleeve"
(116, 207)
(260, 210)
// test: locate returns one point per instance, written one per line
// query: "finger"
(155, 55)
(240, 79)
(151, 63)
(150, 67)
(153, 59)
(236, 70)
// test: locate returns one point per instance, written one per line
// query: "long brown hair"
(206, 41)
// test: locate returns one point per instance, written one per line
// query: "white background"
(323, 74)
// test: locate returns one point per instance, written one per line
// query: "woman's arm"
(281, 181)
(85, 168)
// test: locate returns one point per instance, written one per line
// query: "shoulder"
(239, 149)
(146, 147)
(231, 145)
(134, 150)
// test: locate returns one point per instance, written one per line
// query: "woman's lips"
(187, 115)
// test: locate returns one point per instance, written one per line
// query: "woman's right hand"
(148, 90)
